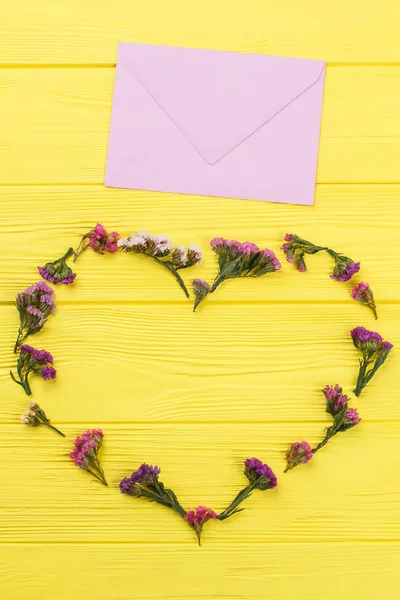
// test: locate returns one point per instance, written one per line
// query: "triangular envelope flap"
(218, 99)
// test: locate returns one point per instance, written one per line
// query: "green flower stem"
(164, 499)
(362, 377)
(232, 508)
(20, 338)
(175, 274)
(23, 382)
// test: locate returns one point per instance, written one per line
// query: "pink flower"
(362, 293)
(352, 416)
(198, 517)
(297, 454)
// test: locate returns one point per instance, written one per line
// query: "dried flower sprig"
(58, 271)
(86, 453)
(35, 416)
(363, 293)
(374, 352)
(161, 249)
(198, 517)
(200, 288)
(144, 482)
(343, 417)
(98, 240)
(260, 476)
(35, 304)
(31, 360)
(295, 248)
(236, 260)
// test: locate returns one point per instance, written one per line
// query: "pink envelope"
(215, 123)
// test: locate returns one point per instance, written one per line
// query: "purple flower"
(365, 340)
(298, 453)
(374, 352)
(27, 349)
(58, 271)
(344, 268)
(48, 373)
(258, 472)
(32, 360)
(146, 475)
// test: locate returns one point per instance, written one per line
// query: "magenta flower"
(294, 248)
(161, 249)
(297, 454)
(200, 288)
(86, 453)
(236, 259)
(35, 416)
(343, 418)
(58, 271)
(336, 401)
(344, 268)
(31, 360)
(374, 352)
(352, 416)
(260, 476)
(35, 304)
(363, 293)
(198, 517)
(99, 241)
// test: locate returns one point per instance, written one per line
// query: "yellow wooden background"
(197, 394)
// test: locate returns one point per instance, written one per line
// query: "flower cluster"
(363, 293)
(35, 304)
(236, 259)
(31, 360)
(58, 271)
(86, 453)
(197, 517)
(295, 248)
(144, 482)
(99, 241)
(260, 477)
(343, 417)
(374, 352)
(34, 416)
(161, 249)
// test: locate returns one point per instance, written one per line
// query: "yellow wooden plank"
(60, 134)
(227, 363)
(123, 572)
(350, 492)
(79, 32)
(359, 220)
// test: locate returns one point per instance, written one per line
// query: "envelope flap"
(218, 99)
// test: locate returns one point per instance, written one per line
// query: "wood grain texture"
(334, 498)
(80, 32)
(227, 363)
(198, 393)
(282, 571)
(358, 220)
(60, 135)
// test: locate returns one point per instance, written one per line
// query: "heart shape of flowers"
(235, 260)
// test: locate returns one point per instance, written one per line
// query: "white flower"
(182, 254)
(24, 420)
(197, 254)
(122, 242)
